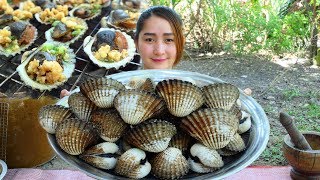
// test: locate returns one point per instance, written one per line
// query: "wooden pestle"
(296, 137)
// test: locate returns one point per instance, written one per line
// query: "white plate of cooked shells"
(165, 124)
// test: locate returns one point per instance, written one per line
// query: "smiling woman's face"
(156, 44)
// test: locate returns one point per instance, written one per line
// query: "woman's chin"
(158, 66)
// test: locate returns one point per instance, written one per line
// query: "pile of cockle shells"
(165, 129)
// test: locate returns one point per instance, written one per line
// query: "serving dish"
(259, 133)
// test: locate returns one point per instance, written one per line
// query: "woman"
(159, 39)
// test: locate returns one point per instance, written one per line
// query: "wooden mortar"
(305, 163)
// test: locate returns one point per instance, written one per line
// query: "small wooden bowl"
(305, 164)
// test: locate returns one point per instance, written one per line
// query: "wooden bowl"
(305, 164)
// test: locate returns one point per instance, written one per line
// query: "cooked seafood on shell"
(45, 4)
(109, 48)
(16, 37)
(76, 3)
(86, 11)
(52, 14)
(123, 20)
(133, 5)
(47, 66)
(31, 6)
(67, 31)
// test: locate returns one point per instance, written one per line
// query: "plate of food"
(109, 48)
(124, 20)
(47, 66)
(172, 105)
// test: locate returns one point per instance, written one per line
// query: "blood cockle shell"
(109, 124)
(103, 155)
(133, 164)
(181, 97)
(74, 136)
(169, 164)
(101, 91)
(137, 106)
(221, 95)
(81, 106)
(212, 127)
(152, 135)
(51, 115)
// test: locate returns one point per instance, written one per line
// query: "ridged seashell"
(80, 22)
(169, 164)
(221, 95)
(236, 110)
(199, 167)
(141, 84)
(244, 123)
(81, 106)
(51, 115)
(101, 91)
(103, 155)
(68, 65)
(226, 152)
(135, 107)
(133, 164)
(152, 136)
(147, 85)
(125, 146)
(181, 97)
(204, 158)
(88, 44)
(181, 140)
(236, 143)
(90, 11)
(109, 124)
(212, 127)
(166, 115)
(74, 136)
(29, 28)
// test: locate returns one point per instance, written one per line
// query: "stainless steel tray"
(258, 139)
